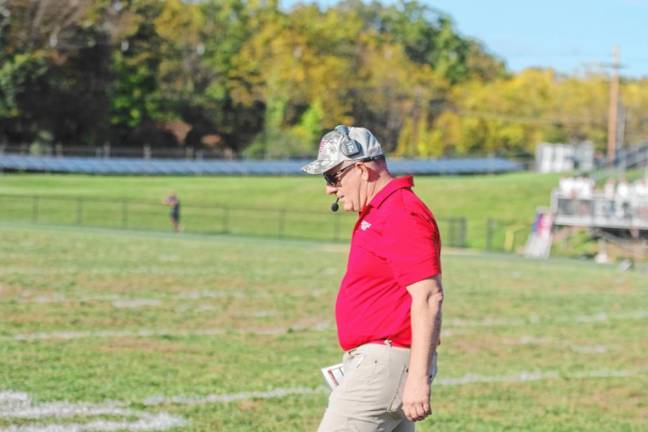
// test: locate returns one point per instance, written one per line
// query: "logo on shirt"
(364, 226)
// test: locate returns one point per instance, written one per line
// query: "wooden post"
(613, 110)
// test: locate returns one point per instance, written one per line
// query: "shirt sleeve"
(413, 246)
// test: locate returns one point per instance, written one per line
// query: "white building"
(564, 157)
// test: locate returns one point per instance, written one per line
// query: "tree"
(136, 57)
(57, 68)
(305, 69)
(428, 37)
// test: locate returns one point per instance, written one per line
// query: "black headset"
(349, 146)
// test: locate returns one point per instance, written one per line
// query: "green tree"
(201, 42)
(58, 54)
(428, 37)
(135, 62)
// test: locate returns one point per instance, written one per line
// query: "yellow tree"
(634, 98)
(395, 93)
(299, 68)
(581, 108)
(504, 115)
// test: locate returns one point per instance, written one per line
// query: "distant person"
(545, 225)
(608, 194)
(568, 188)
(587, 187)
(622, 199)
(638, 195)
(585, 195)
(565, 187)
(174, 215)
(388, 308)
(641, 191)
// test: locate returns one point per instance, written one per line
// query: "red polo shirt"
(395, 243)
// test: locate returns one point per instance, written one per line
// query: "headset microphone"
(335, 206)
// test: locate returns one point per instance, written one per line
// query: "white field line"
(19, 406)
(135, 303)
(520, 377)
(143, 333)
(550, 342)
(589, 349)
(152, 270)
(535, 376)
(115, 299)
(449, 326)
(145, 422)
(69, 335)
(130, 302)
(233, 397)
(536, 319)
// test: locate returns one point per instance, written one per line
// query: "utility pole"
(613, 112)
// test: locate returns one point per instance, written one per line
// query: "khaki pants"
(369, 399)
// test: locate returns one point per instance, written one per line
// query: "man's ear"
(364, 171)
(368, 174)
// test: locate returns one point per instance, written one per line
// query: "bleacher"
(599, 211)
(132, 166)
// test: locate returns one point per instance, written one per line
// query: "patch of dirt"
(126, 344)
(250, 405)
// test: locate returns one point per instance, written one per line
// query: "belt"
(388, 342)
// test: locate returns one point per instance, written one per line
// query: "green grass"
(268, 206)
(272, 301)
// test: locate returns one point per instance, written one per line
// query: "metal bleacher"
(632, 157)
(126, 166)
(599, 211)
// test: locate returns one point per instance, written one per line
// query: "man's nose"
(331, 190)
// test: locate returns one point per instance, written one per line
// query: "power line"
(524, 119)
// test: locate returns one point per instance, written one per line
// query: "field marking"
(552, 342)
(450, 325)
(98, 271)
(536, 319)
(116, 300)
(123, 301)
(233, 397)
(69, 335)
(19, 406)
(136, 303)
(528, 376)
(521, 377)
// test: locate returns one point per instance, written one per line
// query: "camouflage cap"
(341, 144)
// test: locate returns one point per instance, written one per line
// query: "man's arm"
(427, 297)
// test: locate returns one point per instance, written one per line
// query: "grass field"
(222, 333)
(267, 206)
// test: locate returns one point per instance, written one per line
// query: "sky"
(569, 35)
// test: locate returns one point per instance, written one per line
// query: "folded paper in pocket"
(333, 375)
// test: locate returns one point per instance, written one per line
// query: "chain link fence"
(494, 235)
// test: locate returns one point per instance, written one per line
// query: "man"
(388, 308)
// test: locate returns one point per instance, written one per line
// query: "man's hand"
(416, 398)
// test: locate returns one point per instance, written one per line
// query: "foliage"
(13, 74)
(134, 92)
(264, 81)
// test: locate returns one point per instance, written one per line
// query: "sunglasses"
(333, 179)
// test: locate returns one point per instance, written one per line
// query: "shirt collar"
(391, 187)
